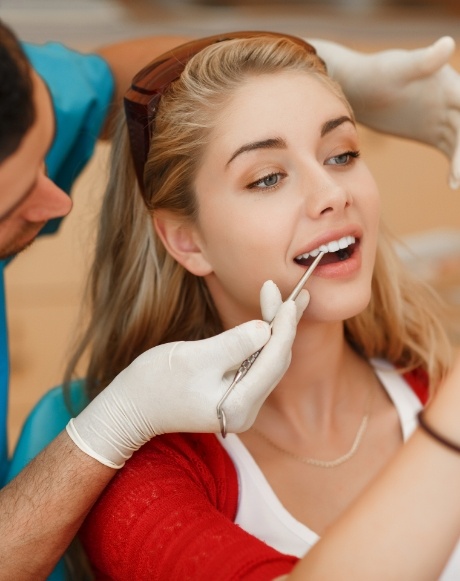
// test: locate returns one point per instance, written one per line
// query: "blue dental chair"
(46, 420)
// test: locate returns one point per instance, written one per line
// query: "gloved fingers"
(270, 300)
(244, 402)
(301, 303)
(454, 178)
(231, 348)
(430, 59)
(275, 357)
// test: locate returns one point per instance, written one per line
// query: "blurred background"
(44, 284)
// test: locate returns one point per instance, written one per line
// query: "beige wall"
(44, 283)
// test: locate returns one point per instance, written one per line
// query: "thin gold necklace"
(329, 463)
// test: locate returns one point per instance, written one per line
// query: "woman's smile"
(342, 256)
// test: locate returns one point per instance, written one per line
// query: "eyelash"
(353, 154)
(255, 185)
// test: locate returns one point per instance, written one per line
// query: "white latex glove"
(409, 93)
(176, 387)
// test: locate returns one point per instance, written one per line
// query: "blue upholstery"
(46, 420)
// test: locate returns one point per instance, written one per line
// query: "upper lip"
(329, 236)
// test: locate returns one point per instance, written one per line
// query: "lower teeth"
(342, 254)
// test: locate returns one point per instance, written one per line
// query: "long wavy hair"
(139, 296)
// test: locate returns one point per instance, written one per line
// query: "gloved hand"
(176, 387)
(409, 93)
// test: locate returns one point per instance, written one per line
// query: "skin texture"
(315, 192)
(319, 194)
(61, 481)
(29, 198)
(274, 203)
(64, 482)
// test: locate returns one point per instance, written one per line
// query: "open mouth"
(336, 251)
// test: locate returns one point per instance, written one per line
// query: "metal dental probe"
(247, 363)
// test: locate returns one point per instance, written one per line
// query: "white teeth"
(332, 246)
(343, 242)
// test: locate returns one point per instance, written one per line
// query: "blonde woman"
(239, 163)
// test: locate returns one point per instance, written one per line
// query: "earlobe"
(182, 242)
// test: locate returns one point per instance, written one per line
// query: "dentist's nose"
(47, 201)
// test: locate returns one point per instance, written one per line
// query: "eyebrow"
(273, 143)
(279, 143)
(334, 123)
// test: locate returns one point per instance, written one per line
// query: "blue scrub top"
(82, 87)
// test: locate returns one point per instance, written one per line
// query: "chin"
(10, 250)
(337, 308)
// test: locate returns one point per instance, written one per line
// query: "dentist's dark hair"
(17, 111)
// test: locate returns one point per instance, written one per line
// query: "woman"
(248, 163)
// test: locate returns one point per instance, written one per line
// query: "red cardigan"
(168, 515)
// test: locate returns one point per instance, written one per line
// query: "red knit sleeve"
(419, 382)
(168, 515)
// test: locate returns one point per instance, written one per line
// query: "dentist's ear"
(182, 242)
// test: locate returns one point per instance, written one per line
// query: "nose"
(47, 201)
(326, 193)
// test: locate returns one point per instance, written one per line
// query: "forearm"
(43, 507)
(404, 527)
(407, 523)
(126, 58)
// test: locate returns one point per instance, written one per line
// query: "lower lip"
(341, 269)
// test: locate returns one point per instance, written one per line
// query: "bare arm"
(170, 388)
(407, 523)
(43, 507)
(126, 58)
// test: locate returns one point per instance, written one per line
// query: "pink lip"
(351, 230)
(344, 269)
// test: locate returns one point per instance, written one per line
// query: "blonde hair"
(141, 297)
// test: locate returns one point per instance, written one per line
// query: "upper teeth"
(330, 246)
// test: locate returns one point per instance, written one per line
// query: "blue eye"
(268, 181)
(343, 159)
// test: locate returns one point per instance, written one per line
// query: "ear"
(182, 242)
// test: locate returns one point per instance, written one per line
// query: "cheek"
(244, 249)
(372, 205)
(248, 234)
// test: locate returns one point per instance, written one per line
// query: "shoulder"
(195, 453)
(195, 463)
(169, 514)
(81, 87)
(52, 59)
(417, 379)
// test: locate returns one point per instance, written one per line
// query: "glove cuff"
(75, 437)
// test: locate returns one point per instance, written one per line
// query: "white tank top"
(261, 513)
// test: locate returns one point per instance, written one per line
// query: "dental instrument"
(247, 363)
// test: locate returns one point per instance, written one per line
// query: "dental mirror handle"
(299, 286)
(247, 363)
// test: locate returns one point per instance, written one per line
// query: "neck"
(326, 379)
